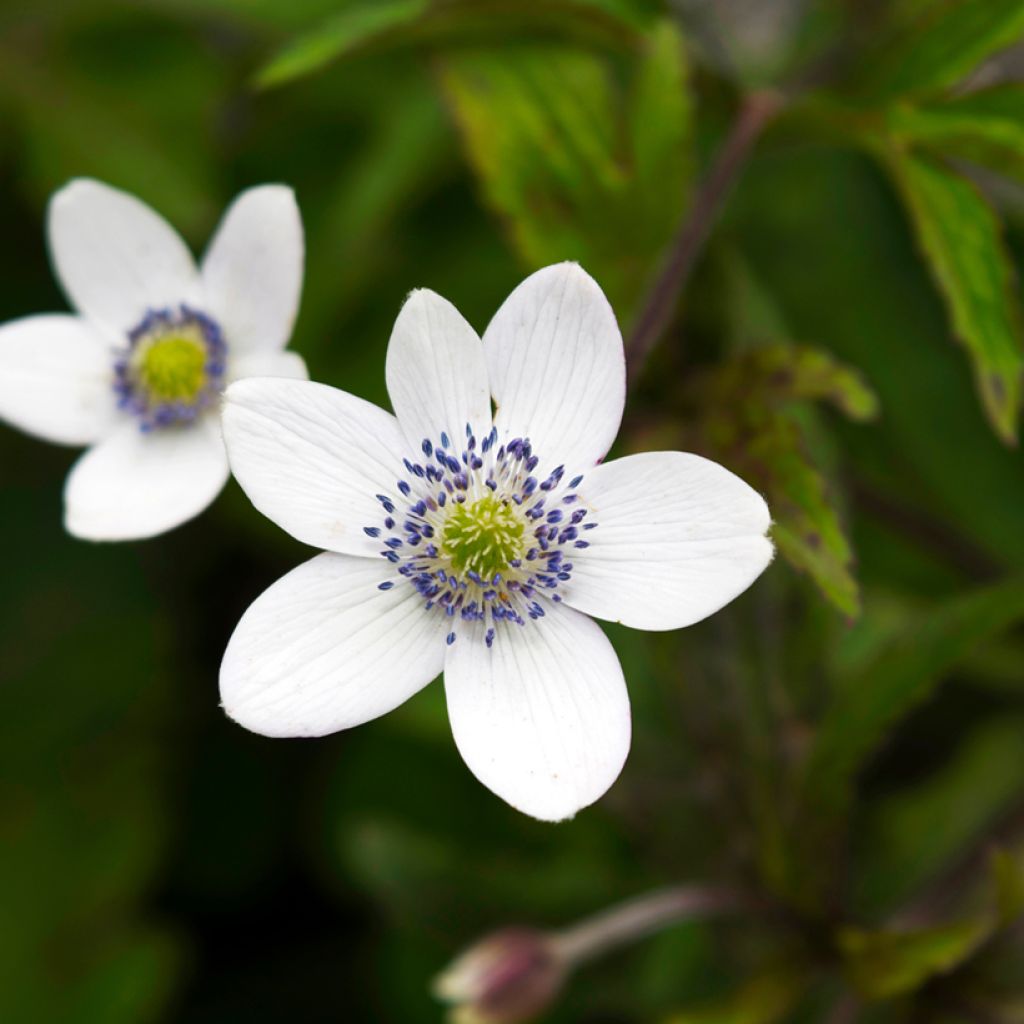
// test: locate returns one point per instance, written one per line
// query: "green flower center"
(172, 368)
(483, 536)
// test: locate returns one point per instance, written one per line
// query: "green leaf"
(947, 41)
(901, 676)
(961, 240)
(984, 127)
(362, 23)
(351, 27)
(883, 964)
(801, 373)
(544, 127)
(660, 121)
(806, 527)
(750, 421)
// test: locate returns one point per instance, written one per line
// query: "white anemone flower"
(137, 374)
(479, 544)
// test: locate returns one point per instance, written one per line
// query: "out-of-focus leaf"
(660, 122)
(543, 129)
(899, 678)
(913, 834)
(933, 454)
(123, 131)
(1008, 879)
(984, 127)
(409, 149)
(746, 419)
(960, 238)
(763, 999)
(947, 40)
(441, 22)
(883, 964)
(352, 26)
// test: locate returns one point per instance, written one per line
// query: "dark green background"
(159, 863)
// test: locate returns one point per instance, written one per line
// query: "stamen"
(173, 367)
(477, 536)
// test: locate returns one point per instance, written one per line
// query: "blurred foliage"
(846, 739)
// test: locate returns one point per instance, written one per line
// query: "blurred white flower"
(138, 373)
(479, 545)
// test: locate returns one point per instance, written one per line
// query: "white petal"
(542, 716)
(252, 271)
(268, 364)
(56, 379)
(135, 485)
(557, 368)
(313, 459)
(678, 537)
(115, 256)
(324, 649)
(435, 372)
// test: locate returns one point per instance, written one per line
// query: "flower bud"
(508, 977)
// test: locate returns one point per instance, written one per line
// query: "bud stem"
(639, 917)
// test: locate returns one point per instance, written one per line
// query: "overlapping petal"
(556, 367)
(435, 372)
(135, 485)
(115, 256)
(56, 379)
(313, 458)
(678, 537)
(324, 649)
(542, 716)
(252, 270)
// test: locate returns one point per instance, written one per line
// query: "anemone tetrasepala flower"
(137, 374)
(479, 543)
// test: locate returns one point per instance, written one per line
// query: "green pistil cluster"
(171, 368)
(483, 536)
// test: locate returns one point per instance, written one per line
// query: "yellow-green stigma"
(484, 536)
(171, 368)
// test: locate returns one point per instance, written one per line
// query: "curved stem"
(639, 917)
(755, 113)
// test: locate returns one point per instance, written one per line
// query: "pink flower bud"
(508, 977)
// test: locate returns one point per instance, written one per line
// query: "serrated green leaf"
(802, 373)
(749, 423)
(883, 964)
(984, 127)
(944, 43)
(902, 675)
(349, 28)
(543, 128)
(805, 524)
(960, 238)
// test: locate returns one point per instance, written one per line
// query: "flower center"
(477, 535)
(483, 537)
(173, 368)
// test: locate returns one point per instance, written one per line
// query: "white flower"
(479, 546)
(138, 373)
